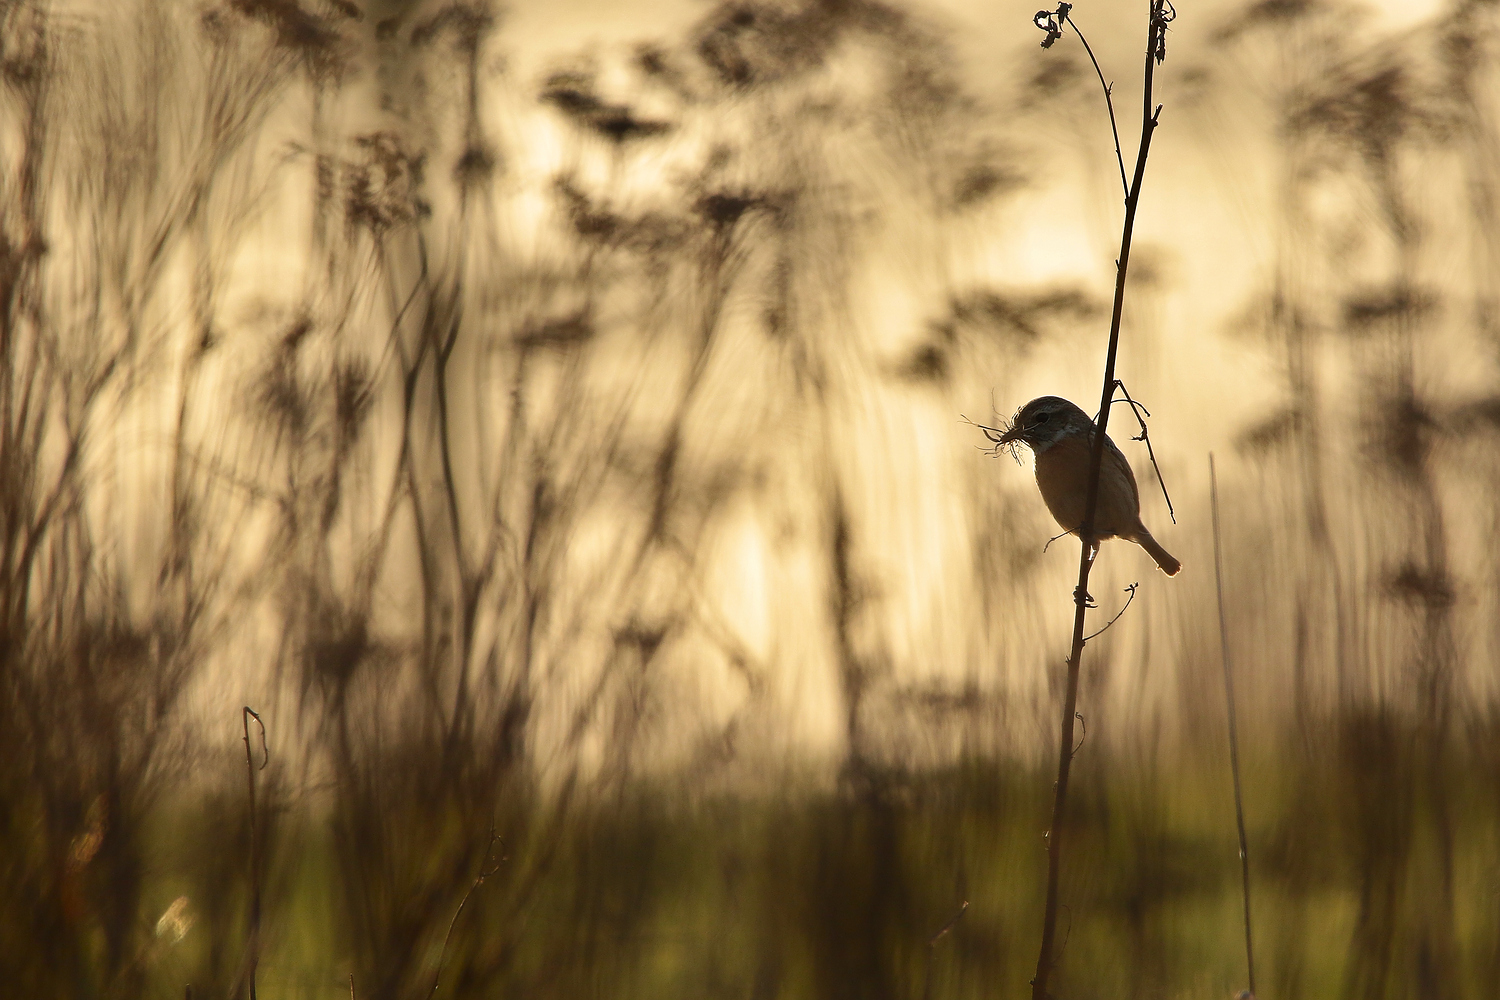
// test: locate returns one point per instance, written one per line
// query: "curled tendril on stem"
(1162, 14)
(1051, 21)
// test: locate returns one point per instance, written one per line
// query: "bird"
(1060, 437)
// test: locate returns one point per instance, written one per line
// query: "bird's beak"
(1010, 436)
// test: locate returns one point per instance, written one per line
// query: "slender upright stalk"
(252, 958)
(1234, 741)
(932, 947)
(1046, 960)
(484, 873)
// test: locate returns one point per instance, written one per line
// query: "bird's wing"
(1117, 457)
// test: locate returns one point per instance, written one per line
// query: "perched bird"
(1060, 436)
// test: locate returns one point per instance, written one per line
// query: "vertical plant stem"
(1046, 959)
(1234, 740)
(932, 948)
(252, 957)
(484, 873)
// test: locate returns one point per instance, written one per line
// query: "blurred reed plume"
(559, 450)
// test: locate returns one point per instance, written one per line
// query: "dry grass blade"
(252, 954)
(484, 873)
(1234, 742)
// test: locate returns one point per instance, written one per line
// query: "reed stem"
(1047, 960)
(1234, 742)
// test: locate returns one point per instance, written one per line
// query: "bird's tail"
(1168, 563)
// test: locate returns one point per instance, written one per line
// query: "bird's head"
(1044, 421)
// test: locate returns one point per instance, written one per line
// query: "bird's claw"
(1086, 600)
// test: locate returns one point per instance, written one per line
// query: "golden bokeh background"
(552, 421)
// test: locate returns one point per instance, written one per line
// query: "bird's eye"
(1041, 418)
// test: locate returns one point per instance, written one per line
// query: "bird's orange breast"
(1062, 475)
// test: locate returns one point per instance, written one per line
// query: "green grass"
(660, 894)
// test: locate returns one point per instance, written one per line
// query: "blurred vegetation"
(565, 468)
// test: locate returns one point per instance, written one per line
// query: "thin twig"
(1234, 742)
(253, 956)
(483, 874)
(1046, 959)
(963, 908)
(1054, 538)
(1064, 17)
(1144, 437)
(932, 947)
(1131, 591)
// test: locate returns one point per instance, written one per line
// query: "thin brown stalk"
(1109, 101)
(932, 947)
(484, 873)
(1234, 742)
(1046, 960)
(253, 956)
